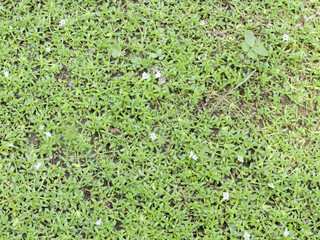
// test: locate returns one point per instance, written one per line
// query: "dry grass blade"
(247, 78)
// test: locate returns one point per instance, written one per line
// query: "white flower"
(99, 222)
(41, 127)
(145, 75)
(286, 233)
(240, 159)
(285, 37)
(246, 236)
(6, 73)
(37, 165)
(202, 23)
(153, 136)
(48, 134)
(162, 80)
(62, 22)
(158, 75)
(271, 185)
(48, 49)
(10, 145)
(226, 196)
(193, 156)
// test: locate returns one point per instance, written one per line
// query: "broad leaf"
(153, 55)
(136, 61)
(252, 55)
(250, 38)
(260, 50)
(115, 50)
(245, 46)
(159, 52)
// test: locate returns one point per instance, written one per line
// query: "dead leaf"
(115, 131)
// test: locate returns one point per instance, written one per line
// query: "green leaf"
(115, 53)
(115, 50)
(136, 61)
(153, 55)
(260, 50)
(245, 46)
(159, 52)
(252, 55)
(258, 42)
(250, 38)
(241, 56)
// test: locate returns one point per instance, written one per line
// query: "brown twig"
(247, 78)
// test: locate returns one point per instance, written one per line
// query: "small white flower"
(62, 22)
(158, 75)
(271, 185)
(10, 27)
(10, 145)
(41, 127)
(202, 23)
(226, 196)
(191, 153)
(246, 236)
(48, 134)
(193, 156)
(6, 73)
(145, 75)
(286, 233)
(285, 37)
(48, 49)
(153, 136)
(240, 159)
(162, 80)
(37, 165)
(99, 222)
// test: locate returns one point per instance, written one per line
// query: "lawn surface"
(108, 129)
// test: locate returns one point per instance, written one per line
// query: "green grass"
(100, 162)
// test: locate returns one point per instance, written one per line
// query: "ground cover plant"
(111, 127)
